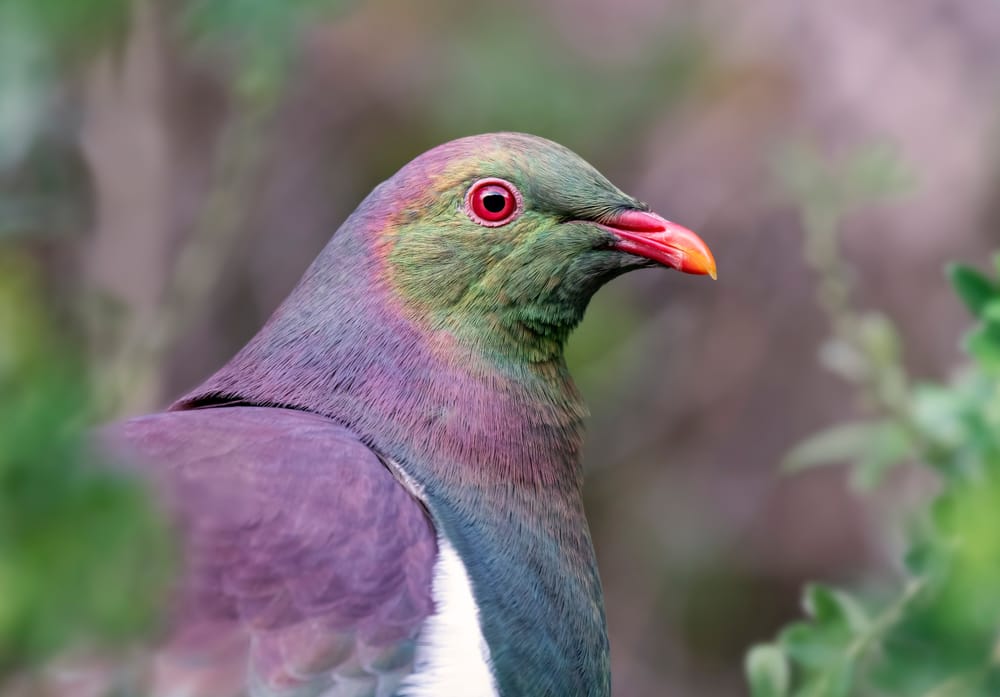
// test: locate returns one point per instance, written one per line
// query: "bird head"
(503, 238)
(489, 246)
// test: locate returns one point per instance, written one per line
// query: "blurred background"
(169, 169)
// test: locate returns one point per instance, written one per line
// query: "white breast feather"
(453, 659)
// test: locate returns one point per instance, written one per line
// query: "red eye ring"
(493, 202)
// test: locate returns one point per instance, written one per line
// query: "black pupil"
(494, 202)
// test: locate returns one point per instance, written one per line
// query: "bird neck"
(491, 440)
(441, 395)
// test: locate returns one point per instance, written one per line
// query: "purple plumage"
(381, 493)
(301, 551)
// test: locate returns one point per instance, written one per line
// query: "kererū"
(380, 494)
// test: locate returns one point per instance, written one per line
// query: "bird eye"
(493, 202)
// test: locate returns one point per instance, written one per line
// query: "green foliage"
(827, 189)
(972, 287)
(84, 555)
(982, 296)
(43, 181)
(874, 447)
(767, 669)
(73, 29)
(263, 33)
(936, 631)
(45, 44)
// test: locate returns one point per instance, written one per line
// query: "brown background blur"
(697, 389)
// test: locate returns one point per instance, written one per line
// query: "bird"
(380, 493)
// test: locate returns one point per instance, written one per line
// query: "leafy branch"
(936, 634)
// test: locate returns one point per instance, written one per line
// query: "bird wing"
(307, 566)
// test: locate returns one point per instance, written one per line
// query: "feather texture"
(301, 552)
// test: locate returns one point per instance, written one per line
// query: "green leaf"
(848, 442)
(880, 337)
(814, 646)
(844, 360)
(767, 671)
(890, 445)
(983, 344)
(822, 647)
(830, 606)
(924, 558)
(833, 681)
(991, 311)
(937, 412)
(972, 287)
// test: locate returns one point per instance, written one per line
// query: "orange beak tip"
(709, 268)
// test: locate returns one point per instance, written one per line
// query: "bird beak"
(648, 235)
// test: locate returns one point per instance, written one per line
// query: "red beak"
(650, 236)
